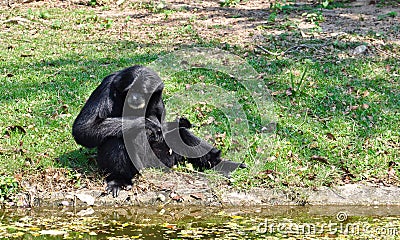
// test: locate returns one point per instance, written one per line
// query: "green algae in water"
(198, 223)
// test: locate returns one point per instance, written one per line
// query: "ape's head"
(138, 84)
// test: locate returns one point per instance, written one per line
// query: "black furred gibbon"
(103, 122)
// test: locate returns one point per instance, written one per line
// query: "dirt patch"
(243, 25)
(364, 19)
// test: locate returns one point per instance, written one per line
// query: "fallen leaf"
(276, 93)
(271, 177)
(330, 136)
(301, 169)
(170, 226)
(355, 107)
(320, 159)
(350, 90)
(289, 92)
(197, 196)
(161, 197)
(391, 173)
(178, 198)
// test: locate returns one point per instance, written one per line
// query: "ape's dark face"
(136, 100)
(144, 93)
(140, 94)
(141, 91)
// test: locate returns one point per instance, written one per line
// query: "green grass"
(340, 120)
(8, 188)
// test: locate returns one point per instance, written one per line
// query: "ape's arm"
(93, 132)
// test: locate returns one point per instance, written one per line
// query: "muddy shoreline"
(182, 189)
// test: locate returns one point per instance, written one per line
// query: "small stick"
(268, 52)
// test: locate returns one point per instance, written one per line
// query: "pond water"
(171, 222)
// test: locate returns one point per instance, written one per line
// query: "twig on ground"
(268, 52)
(16, 20)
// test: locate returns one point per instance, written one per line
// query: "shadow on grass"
(82, 160)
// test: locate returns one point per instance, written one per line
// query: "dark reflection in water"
(170, 222)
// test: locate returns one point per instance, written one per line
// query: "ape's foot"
(115, 186)
(226, 167)
(185, 123)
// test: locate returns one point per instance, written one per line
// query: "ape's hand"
(153, 130)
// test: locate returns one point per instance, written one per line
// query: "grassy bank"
(337, 111)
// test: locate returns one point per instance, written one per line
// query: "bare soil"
(176, 188)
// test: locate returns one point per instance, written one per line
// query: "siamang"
(128, 105)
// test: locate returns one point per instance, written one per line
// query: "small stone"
(161, 197)
(89, 200)
(85, 212)
(360, 50)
